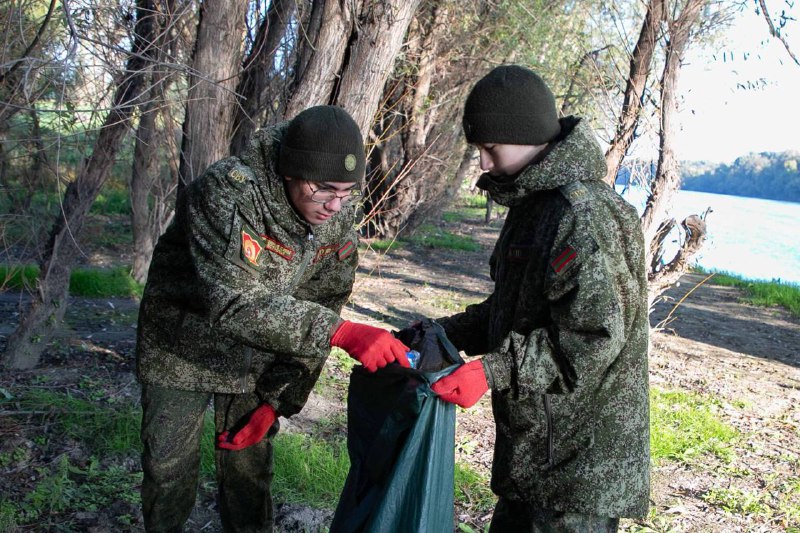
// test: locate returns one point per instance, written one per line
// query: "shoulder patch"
(239, 174)
(345, 251)
(277, 247)
(575, 192)
(563, 259)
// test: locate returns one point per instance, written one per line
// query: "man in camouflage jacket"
(242, 305)
(565, 331)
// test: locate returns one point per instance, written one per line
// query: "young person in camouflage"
(565, 332)
(242, 306)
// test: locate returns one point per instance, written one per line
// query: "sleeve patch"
(252, 246)
(564, 258)
(324, 252)
(345, 251)
(277, 247)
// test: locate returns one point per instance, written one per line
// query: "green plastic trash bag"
(401, 442)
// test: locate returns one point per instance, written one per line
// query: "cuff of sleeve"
(498, 371)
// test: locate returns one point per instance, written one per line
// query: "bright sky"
(722, 120)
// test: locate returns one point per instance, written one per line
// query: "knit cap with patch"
(323, 143)
(511, 105)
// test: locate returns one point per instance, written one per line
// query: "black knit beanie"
(322, 143)
(511, 105)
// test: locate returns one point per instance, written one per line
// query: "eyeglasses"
(323, 196)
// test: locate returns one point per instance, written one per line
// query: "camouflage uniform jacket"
(566, 337)
(242, 293)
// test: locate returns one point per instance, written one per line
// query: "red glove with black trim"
(464, 386)
(258, 423)
(372, 347)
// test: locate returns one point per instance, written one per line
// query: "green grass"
(472, 490)
(308, 470)
(433, 237)
(90, 282)
(384, 245)
(684, 426)
(451, 302)
(473, 200)
(761, 293)
(464, 214)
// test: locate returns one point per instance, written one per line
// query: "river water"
(750, 237)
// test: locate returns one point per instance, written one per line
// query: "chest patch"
(324, 252)
(277, 247)
(567, 256)
(252, 246)
(345, 251)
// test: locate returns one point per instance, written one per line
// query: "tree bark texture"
(641, 60)
(667, 178)
(25, 344)
(212, 81)
(347, 62)
(146, 185)
(257, 104)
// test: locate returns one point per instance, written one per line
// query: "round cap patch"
(350, 162)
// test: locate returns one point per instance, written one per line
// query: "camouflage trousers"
(524, 518)
(172, 424)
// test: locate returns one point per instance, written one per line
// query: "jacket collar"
(575, 156)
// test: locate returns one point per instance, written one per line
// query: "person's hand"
(258, 423)
(464, 386)
(372, 347)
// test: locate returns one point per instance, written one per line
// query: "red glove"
(258, 423)
(372, 347)
(464, 386)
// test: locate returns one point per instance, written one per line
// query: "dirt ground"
(712, 344)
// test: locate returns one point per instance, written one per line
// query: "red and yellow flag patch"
(251, 248)
(564, 258)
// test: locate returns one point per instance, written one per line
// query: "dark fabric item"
(323, 143)
(401, 443)
(172, 422)
(511, 105)
(565, 337)
(524, 518)
(244, 477)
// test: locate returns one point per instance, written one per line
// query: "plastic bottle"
(413, 358)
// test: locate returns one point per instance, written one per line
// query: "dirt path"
(745, 357)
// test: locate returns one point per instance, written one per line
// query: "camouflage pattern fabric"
(520, 517)
(241, 290)
(566, 337)
(172, 425)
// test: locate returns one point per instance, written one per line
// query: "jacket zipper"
(304, 263)
(248, 358)
(549, 414)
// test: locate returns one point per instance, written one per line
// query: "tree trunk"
(211, 98)
(256, 105)
(641, 60)
(667, 178)
(148, 222)
(353, 53)
(27, 342)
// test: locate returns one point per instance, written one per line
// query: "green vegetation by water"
(761, 293)
(769, 175)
